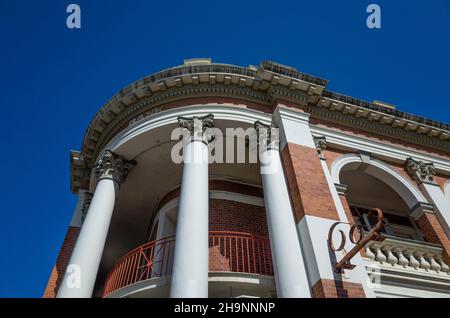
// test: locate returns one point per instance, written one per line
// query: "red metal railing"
(153, 259)
(239, 252)
(228, 252)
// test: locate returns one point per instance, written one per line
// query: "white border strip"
(386, 151)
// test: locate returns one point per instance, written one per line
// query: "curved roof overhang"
(263, 86)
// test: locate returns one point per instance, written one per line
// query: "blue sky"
(53, 81)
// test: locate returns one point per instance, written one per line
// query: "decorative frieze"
(262, 85)
(421, 171)
(197, 127)
(114, 166)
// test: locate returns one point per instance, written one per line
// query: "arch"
(122, 143)
(225, 112)
(382, 171)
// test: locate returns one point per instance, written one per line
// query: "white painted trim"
(447, 189)
(236, 197)
(340, 162)
(294, 127)
(168, 117)
(384, 172)
(215, 194)
(385, 151)
(397, 281)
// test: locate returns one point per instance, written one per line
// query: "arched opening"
(366, 192)
(373, 184)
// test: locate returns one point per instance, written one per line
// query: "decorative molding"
(321, 145)
(437, 140)
(268, 136)
(262, 85)
(393, 153)
(379, 169)
(421, 171)
(197, 127)
(366, 157)
(420, 209)
(236, 197)
(87, 198)
(113, 166)
(341, 188)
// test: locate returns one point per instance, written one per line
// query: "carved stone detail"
(197, 127)
(87, 198)
(263, 86)
(268, 136)
(321, 145)
(421, 171)
(341, 188)
(114, 166)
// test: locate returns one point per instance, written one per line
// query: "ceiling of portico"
(366, 190)
(153, 177)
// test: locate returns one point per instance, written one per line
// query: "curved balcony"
(232, 252)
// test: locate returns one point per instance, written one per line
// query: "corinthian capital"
(197, 127)
(268, 136)
(421, 171)
(113, 166)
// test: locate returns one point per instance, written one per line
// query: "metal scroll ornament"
(357, 237)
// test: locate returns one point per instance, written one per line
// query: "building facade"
(150, 225)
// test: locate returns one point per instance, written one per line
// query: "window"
(395, 224)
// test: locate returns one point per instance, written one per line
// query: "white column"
(289, 269)
(191, 259)
(423, 173)
(81, 272)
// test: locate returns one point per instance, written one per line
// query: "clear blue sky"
(53, 81)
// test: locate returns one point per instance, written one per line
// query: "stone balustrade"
(408, 254)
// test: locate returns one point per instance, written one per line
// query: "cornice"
(263, 85)
(439, 141)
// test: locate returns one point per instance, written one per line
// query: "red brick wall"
(307, 184)
(220, 185)
(311, 195)
(441, 180)
(248, 252)
(225, 215)
(61, 262)
(232, 216)
(434, 233)
(328, 288)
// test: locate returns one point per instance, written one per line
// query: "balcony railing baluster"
(407, 253)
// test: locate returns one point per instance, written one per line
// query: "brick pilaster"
(310, 194)
(59, 268)
(434, 233)
(328, 288)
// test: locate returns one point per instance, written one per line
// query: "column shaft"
(82, 270)
(190, 265)
(289, 268)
